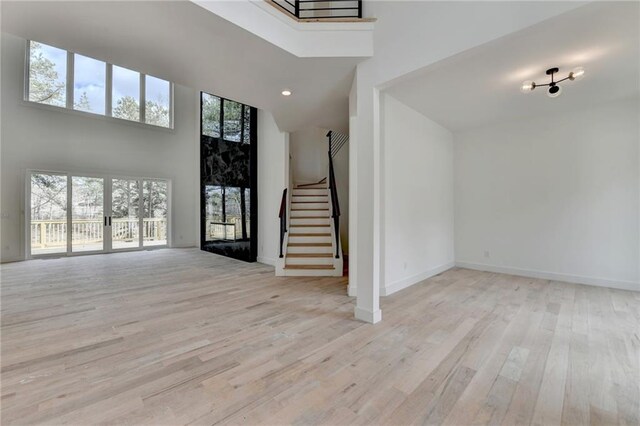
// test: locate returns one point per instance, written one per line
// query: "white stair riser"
(309, 206)
(317, 198)
(309, 260)
(311, 273)
(309, 192)
(294, 239)
(294, 249)
(310, 221)
(310, 229)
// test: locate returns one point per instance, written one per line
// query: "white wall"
(555, 197)
(418, 237)
(49, 138)
(431, 31)
(309, 158)
(273, 178)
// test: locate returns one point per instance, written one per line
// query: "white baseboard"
(368, 316)
(352, 291)
(414, 279)
(532, 273)
(266, 260)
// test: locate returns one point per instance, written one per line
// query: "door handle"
(109, 220)
(105, 221)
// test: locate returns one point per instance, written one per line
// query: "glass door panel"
(48, 220)
(154, 207)
(125, 213)
(87, 214)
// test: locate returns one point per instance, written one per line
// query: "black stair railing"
(335, 205)
(319, 9)
(283, 219)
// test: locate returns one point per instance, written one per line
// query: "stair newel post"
(297, 8)
(283, 219)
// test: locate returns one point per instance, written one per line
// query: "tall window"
(233, 118)
(47, 74)
(89, 85)
(157, 101)
(126, 94)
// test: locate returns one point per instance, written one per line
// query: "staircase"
(310, 240)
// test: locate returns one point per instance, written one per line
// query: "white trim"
(414, 279)
(267, 261)
(70, 78)
(31, 104)
(555, 276)
(352, 290)
(108, 90)
(142, 106)
(367, 316)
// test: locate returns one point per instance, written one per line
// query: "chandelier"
(554, 88)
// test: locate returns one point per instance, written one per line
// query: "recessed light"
(286, 93)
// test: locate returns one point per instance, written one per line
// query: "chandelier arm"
(566, 78)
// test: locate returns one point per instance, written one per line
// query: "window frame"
(108, 108)
(243, 119)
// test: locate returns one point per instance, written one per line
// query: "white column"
(361, 217)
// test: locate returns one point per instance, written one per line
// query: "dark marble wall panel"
(228, 192)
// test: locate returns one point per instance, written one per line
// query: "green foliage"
(154, 199)
(87, 197)
(44, 84)
(125, 198)
(83, 103)
(156, 114)
(48, 197)
(210, 115)
(127, 108)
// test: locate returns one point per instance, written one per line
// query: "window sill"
(66, 110)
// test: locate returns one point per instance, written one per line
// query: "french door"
(75, 214)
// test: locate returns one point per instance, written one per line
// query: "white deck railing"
(53, 233)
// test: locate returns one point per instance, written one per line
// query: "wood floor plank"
(181, 336)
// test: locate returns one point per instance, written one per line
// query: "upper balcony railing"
(321, 9)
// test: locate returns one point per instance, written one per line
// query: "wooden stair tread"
(307, 188)
(310, 195)
(309, 245)
(309, 226)
(309, 254)
(309, 210)
(309, 217)
(308, 267)
(309, 202)
(308, 234)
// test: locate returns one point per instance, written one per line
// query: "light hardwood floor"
(183, 336)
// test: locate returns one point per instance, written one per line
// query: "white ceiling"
(482, 85)
(181, 42)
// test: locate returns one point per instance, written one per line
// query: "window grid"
(108, 111)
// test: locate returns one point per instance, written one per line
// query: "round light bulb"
(527, 86)
(577, 73)
(554, 91)
(286, 93)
